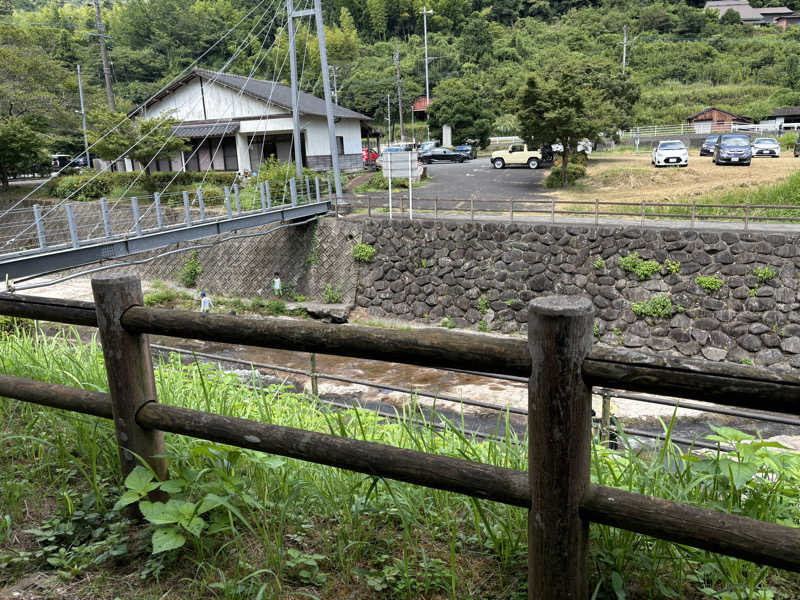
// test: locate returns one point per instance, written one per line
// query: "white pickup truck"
(517, 155)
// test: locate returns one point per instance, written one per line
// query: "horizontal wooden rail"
(712, 530)
(727, 384)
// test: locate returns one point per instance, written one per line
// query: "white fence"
(703, 127)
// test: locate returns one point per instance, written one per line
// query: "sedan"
(733, 148)
(707, 149)
(467, 150)
(670, 152)
(766, 147)
(442, 155)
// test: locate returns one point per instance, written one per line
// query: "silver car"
(670, 153)
(766, 147)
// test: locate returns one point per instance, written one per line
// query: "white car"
(766, 147)
(670, 152)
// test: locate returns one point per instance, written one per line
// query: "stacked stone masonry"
(481, 275)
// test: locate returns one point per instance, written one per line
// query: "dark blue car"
(467, 150)
(733, 149)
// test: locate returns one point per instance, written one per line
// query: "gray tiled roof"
(789, 111)
(277, 93)
(746, 12)
(204, 130)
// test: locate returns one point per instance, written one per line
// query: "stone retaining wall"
(481, 275)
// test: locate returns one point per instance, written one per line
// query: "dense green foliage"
(273, 527)
(680, 58)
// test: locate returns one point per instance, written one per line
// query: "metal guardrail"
(562, 365)
(553, 209)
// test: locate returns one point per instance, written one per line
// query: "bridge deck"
(66, 256)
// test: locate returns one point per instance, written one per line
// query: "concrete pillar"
(242, 153)
(447, 135)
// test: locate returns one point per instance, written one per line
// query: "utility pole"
(83, 117)
(101, 35)
(624, 47)
(399, 94)
(425, 13)
(298, 152)
(326, 86)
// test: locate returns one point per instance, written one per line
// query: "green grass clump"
(331, 295)
(243, 524)
(483, 305)
(190, 271)
(658, 307)
(644, 269)
(709, 284)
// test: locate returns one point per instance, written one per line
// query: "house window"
(340, 145)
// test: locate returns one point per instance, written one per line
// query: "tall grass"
(291, 529)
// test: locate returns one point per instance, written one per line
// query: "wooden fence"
(510, 209)
(562, 366)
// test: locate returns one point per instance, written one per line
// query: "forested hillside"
(682, 58)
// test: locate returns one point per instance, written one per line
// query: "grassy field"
(261, 526)
(628, 177)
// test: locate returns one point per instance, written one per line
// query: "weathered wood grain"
(53, 395)
(72, 312)
(559, 433)
(712, 530)
(130, 372)
(441, 472)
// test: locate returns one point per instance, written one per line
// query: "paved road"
(477, 178)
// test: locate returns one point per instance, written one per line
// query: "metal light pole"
(389, 118)
(83, 116)
(425, 13)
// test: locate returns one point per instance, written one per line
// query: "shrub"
(658, 307)
(278, 174)
(379, 182)
(709, 284)
(788, 140)
(275, 307)
(363, 252)
(764, 274)
(190, 271)
(448, 322)
(574, 172)
(93, 188)
(644, 269)
(331, 295)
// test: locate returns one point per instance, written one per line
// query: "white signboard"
(400, 165)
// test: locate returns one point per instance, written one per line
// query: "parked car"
(733, 148)
(766, 147)
(428, 145)
(670, 152)
(442, 155)
(468, 150)
(707, 149)
(516, 155)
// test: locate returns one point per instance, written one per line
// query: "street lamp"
(425, 13)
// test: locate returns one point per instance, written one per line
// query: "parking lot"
(476, 178)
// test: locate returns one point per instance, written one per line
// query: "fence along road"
(558, 358)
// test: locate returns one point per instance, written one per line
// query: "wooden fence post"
(313, 374)
(559, 428)
(129, 365)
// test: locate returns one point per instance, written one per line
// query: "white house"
(235, 122)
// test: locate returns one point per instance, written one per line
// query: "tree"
(21, 149)
(731, 17)
(460, 104)
(580, 98)
(143, 140)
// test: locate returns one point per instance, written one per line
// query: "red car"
(369, 155)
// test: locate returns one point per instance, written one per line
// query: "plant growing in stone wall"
(331, 295)
(658, 307)
(709, 284)
(764, 274)
(190, 271)
(644, 269)
(363, 252)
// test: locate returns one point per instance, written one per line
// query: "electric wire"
(129, 116)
